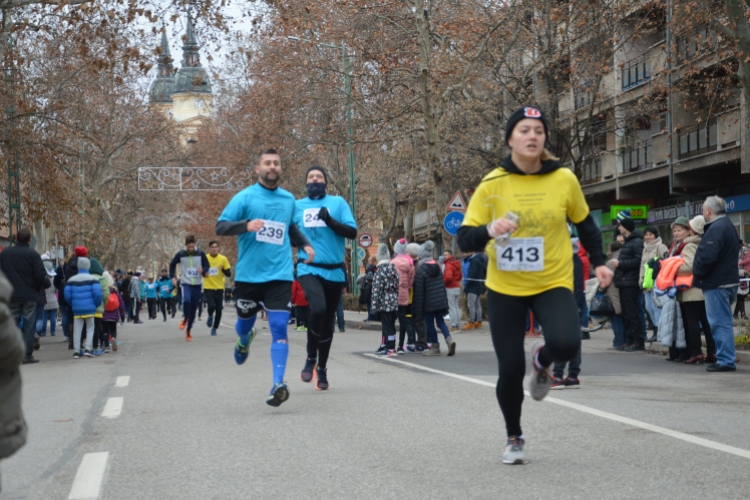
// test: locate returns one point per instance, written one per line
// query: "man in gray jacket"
(135, 296)
(12, 423)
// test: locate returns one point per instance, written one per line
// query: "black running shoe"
(279, 394)
(307, 372)
(322, 375)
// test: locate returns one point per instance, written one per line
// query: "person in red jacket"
(584, 255)
(452, 277)
(301, 306)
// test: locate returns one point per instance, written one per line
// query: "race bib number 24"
(521, 254)
(271, 232)
(311, 218)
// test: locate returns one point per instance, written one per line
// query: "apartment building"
(636, 162)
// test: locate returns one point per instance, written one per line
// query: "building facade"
(184, 96)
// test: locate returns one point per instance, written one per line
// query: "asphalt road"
(194, 425)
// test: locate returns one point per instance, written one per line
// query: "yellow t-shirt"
(541, 203)
(215, 278)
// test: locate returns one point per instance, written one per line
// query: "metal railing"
(697, 139)
(636, 71)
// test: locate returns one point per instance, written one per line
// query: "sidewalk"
(356, 321)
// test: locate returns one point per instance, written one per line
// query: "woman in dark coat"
(431, 300)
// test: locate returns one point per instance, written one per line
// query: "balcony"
(592, 171)
(636, 71)
(638, 157)
(697, 139)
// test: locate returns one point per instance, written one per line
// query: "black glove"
(324, 215)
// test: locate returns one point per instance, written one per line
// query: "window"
(637, 156)
(636, 72)
(695, 43)
(698, 139)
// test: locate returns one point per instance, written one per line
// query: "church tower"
(192, 98)
(163, 86)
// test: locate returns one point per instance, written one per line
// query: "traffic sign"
(365, 240)
(361, 253)
(457, 203)
(452, 222)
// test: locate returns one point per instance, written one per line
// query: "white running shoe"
(540, 380)
(514, 454)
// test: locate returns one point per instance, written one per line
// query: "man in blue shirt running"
(262, 216)
(327, 221)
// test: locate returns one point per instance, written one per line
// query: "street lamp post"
(350, 144)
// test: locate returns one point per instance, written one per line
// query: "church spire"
(163, 86)
(164, 61)
(190, 55)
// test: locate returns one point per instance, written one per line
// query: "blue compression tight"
(278, 321)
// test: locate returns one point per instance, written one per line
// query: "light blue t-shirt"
(329, 247)
(264, 255)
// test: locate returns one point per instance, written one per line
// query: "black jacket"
(429, 291)
(24, 269)
(578, 283)
(629, 269)
(477, 271)
(715, 263)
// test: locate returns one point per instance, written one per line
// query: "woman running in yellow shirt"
(523, 206)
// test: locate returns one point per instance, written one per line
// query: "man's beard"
(271, 182)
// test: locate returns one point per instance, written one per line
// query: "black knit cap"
(653, 230)
(319, 169)
(522, 113)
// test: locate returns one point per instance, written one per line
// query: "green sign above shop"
(636, 211)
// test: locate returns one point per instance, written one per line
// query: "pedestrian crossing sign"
(456, 203)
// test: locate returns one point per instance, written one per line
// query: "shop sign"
(636, 211)
(738, 203)
(670, 213)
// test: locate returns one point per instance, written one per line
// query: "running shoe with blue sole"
(240, 351)
(279, 394)
(210, 322)
(213, 332)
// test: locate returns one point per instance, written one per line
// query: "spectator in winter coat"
(24, 269)
(653, 249)
(365, 292)
(12, 423)
(165, 287)
(49, 311)
(627, 271)
(452, 276)
(97, 271)
(574, 365)
(135, 297)
(385, 289)
(110, 317)
(124, 288)
(613, 293)
(474, 288)
(431, 300)
(465, 263)
(84, 294)
(405, 268)
(301, 306)
(62, 275)
(715, 272)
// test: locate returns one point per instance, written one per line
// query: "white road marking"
(592, 411)
(122, 381)
(88, 480)
(113, 408)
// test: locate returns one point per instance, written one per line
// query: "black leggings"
(215, 301)
(405, 326)
(323, 297)
(693, 317)
(557, 313)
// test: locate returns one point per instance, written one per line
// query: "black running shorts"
(272, 296)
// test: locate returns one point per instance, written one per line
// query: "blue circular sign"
(452, 222)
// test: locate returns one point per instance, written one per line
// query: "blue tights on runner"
(278, 322)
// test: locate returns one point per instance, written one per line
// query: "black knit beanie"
(520, 114)
(319, 169)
